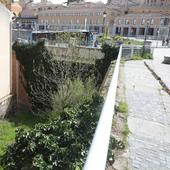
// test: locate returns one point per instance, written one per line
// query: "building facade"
(150, 17)
(5, 60)
(75, 16)
(130, 18)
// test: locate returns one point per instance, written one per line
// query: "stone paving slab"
(148, 121)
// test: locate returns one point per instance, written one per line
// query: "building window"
(126, 21)
(152, 21)
(143, 22)
(162, 21)
(97, 21)
(134, 22)
(119, 22)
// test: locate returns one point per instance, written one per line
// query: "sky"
(61, 1)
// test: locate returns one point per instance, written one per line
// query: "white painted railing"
(97, 156)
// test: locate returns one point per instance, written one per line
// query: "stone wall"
(76, 54)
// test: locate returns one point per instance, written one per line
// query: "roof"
(16, 8)
(27, 13)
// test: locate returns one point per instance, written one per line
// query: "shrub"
(59, 144)
(73, 93)
(136, 57)
(147, 55)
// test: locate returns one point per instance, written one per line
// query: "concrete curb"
(165, 87)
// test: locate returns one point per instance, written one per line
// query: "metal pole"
(85, 23)
(157, 38)
(143, 51)
(103, 25)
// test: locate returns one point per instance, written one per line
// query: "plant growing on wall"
(45, 76)
(111, 53)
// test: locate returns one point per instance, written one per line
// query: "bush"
(59, 144)
(147, 55)
(73, 93)
(136, 57)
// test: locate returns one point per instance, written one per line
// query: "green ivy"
(43, 75)
(110, 54)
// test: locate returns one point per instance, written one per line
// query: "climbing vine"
(44, 76)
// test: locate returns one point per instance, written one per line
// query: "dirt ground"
(118, 125)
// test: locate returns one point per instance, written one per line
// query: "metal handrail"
(97, 156)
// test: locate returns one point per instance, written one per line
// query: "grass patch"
(26, 120)
(146, 55)
(136, 57)
(122, 107)
(122, 61)
(133, 42)
(125, 133)
(123, 40)
(126, 168)
(9, 126)
(7, 135)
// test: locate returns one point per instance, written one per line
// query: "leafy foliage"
(73, 93)
(114, 144)
(111, 53)
(147, 55)
(44, 76)
(60, 144)
(122, 107)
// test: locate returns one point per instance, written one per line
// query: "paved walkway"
(163, 70)
(149, 119)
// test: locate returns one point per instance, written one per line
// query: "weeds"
(123, 107)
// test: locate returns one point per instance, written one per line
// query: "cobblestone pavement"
(148, 121)
(162, 70)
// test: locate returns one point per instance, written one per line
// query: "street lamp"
(104, 19)
(146, 32)
(157, 37)
(19, 25)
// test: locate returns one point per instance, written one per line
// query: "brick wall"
(18, 90)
